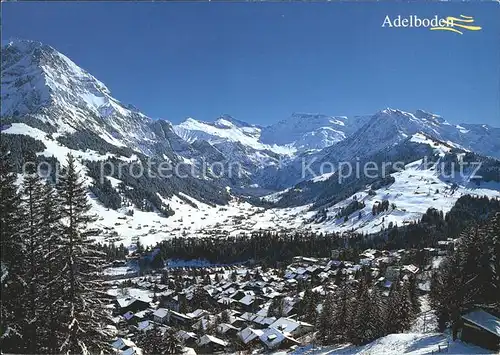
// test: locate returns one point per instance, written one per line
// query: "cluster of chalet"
(243, 298)
(245, 317)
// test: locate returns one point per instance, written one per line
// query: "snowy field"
(397, 344)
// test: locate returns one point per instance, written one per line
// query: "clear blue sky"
(262, 61)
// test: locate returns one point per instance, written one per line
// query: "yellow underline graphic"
(452, 23)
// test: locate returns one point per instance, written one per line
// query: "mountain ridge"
(47, 98)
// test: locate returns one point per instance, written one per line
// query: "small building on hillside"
(272, 339)
(179, 318)
(250, 335)
(160, 315)
(131, 304)
(481, 328)
(292, 327)
(446, 247)
(248, 303)
(211, 344)
(121, 344)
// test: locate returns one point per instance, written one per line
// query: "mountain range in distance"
(55, 108)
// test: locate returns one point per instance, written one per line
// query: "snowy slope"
(53, 148)
(414, 191)
(420, 185)
(396, 344)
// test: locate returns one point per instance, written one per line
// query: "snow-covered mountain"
(299, 133)
(264, 151)
(305, 131)
(380, 133)
(391, 126)
(48, 97)
(40, 82)
(321, 139)
(224, 128)
(64, 109)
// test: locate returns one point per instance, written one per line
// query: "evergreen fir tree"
(376, 313)
(32, 202)
(276, 308)
(308, 305)
(171, 345)
(341, 315)
(157, 262)
(83, 316)
(13, 262)
(50, 297)
(151, 342)
(413, 292)
(200, 299)
(225, 316)
(366, 315)
(325, 321)
(390, 315)
(404, 308)
(469, 277)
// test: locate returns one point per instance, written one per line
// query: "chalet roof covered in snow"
(129, 315)
(207, 339)
(247, 300)
(127, 301)
(197, 313)
(132, 351)
(484, 320)
(285, 324)
(288, 325)
(121, 343)
(272, 337)
(248, 334)
(184, 335)
(223, 328)
(161, 312)
(144, 325)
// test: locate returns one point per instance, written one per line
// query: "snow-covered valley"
(414, 191)
(73, 112)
